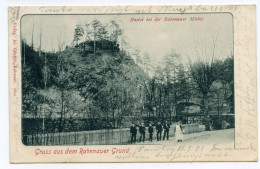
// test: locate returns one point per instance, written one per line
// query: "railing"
(97, 137)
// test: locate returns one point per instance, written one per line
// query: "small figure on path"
(150, 131)
(133, 132)
(166, 128)
(207, 123)
(159, 131)
(142, 132)
(179, 132)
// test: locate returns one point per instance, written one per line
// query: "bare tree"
(61, 81)
(96, 26)
(32, 32)
(202, 70)
(40, 46)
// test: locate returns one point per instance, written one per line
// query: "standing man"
(150, 130)
(142, 132)
(133, 132)
(166, 128)
(159, 131)
(207, 123)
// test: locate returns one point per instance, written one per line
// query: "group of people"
(159, 129)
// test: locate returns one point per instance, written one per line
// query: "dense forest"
(95, 83)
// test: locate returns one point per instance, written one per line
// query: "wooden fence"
(98, 137)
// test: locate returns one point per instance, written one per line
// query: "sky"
(157, 38)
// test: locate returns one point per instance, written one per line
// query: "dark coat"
(150, 129)
(159, 128)
(142, 129)
(133, 130)
(166, 127)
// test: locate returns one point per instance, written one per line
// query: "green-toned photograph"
(123, 79)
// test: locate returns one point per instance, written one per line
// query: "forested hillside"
(75, 84)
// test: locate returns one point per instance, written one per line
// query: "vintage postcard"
(132, 83)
